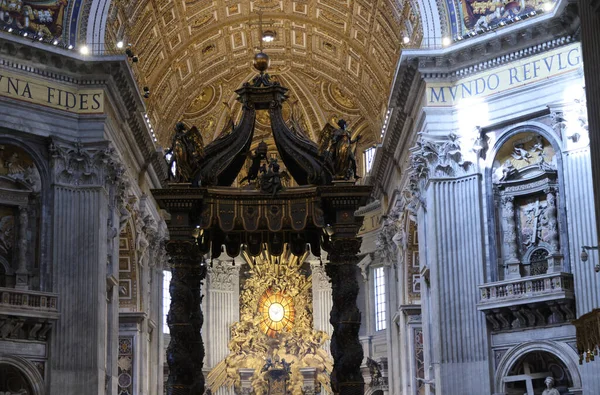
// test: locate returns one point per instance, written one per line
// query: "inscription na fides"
(520, 73)
(35, 90)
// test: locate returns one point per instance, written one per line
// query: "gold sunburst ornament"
(277, 311)
(276, 322)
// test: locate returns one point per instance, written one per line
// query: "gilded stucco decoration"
(271, 281)
(338, 57)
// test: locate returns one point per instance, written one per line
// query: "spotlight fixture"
(55, 42)
(548, 6)
(84, 50)
(120, 44)
(70, 46)
(446, 41)
(268, 36)
(406, 39)
(41, 38)
(24, 34)
(10, 29)
(146, 92)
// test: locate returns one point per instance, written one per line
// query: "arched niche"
(522, 369)
(20, 376)
(525, 181)
(20, 214)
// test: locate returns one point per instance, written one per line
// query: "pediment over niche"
(525, 157)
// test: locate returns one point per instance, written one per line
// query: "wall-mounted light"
(585, 256)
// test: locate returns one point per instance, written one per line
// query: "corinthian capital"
(80, 165)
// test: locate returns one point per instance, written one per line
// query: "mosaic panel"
(125, 365)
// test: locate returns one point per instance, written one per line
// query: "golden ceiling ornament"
(200, 38)
(201, 102)
(276, 290)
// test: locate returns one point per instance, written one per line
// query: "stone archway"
(19, 376)
(523, 368)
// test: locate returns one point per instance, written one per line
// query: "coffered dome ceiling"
(337, 57)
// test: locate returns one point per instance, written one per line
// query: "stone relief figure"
(337, 143)
(550, 390)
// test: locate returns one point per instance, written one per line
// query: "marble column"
(79, 273)
(590, 48)
(322, 301)
(512, 265)
(555, 258)
(223, 309)
(22, 278)
(455, 258)
(346, 349)
(185, 354)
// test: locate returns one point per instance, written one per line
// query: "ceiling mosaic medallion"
(202, 102)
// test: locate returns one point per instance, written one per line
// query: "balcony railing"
(528, 289)
(28, 303)
(534, 301)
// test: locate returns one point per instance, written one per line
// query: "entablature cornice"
(109, 73)
(496, 48)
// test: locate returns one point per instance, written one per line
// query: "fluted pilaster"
(455, 241)
(79, 274)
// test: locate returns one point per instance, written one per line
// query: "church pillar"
(22, 273)
(347, 352)
(223, 301)
(555, 259)
(82, 177)
(185, 354)
(512, 268)
(322, 302)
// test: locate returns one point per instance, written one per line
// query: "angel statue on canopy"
(186, 153)
(337, 144)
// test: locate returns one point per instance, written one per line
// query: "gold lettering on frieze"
(37, 91)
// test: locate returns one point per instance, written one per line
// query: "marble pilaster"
(223, 308)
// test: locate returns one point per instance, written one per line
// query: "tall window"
(369, 157)
(166, 299)
(380, 323)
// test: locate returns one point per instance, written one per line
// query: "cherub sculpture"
(186, 153)
(337, 144)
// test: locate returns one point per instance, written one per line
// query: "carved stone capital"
(79, 165)
(319, 276)
(224, 276)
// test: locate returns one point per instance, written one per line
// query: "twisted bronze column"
(342, 269)
(185, 354)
